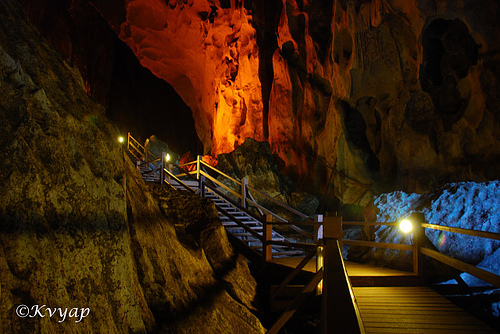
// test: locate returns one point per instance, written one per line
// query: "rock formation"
(78, 226)
(355, 97)
(135, 99)
(255, 161)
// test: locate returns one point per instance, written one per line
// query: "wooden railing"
(135, 148)
(421, 245)
(340, 313)
(241, 191)
(339, 310)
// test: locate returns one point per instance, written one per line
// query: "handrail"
(150, 161)
(475, 233)
(254, 203)
(482, 274)
(376, 244)
(178, 180)
(220, 172)
(220, 184)
(298, 213)
(283, 205)
(369, 223)
(129, 137)
(251, 214)
(251, 200)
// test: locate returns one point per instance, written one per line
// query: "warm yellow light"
(167, 157)
(121, 139)
(319, 265)
(405, 225)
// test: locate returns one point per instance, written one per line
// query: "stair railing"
(135, 148)
(339, 311)
(246, 197)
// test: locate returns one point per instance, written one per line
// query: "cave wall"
(400, 100)
(135, 99)
(80, 229)
(355, 97)
(209, 54)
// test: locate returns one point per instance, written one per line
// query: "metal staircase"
(240, 214)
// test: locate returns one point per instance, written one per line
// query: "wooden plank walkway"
(413, 310)
(403, 309)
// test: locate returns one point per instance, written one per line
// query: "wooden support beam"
(293, 274)
(244, 185)
(417, 219)
(318, 240)
(202, 185)
(267, 247)
(306, 292)
(198, 166)
(162, 167)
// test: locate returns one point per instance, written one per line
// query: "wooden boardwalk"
(388, 301)
(413, 310)
(403, 309)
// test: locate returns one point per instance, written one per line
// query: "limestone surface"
(79, 228)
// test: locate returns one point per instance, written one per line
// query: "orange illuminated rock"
(354, 99)
(210, 56)
(353, 96)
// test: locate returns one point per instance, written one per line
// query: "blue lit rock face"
(466, 205)
(78, 226)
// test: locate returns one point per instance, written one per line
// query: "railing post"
(244, 184)
(198, 166)
(202, 186)
(267, 236)
(128, 141)
(162, 167)
(318, 240)
(417, 219)
(170, 169)
(339, 313)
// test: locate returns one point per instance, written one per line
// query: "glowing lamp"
(121, 139)
(167, 157)
(405, 225)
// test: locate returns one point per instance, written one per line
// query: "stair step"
(252, 227)
(150, 174)
(289, 252)
(239, 217)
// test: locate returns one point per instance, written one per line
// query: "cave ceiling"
(354, 97)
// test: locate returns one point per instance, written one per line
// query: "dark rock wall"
(403, 100)
(135, 99)
(78, 226)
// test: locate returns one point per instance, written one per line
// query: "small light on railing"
(405, 225)
(121, 139)
(167, 157)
